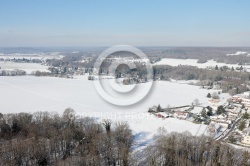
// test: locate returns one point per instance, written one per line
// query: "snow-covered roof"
(164, 114)
(217, 126)
(196, 110)
(246, 130)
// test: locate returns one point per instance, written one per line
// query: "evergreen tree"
(231, 138)
(241, 68)
(237, 90)
(242, 125)
(220, 110)
(208, 95)
(209, 112)
(159, 109)
(204, 113)
(245, 115)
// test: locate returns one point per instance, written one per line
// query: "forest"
(44, 138)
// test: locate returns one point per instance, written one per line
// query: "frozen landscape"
(193, 62)
(115, 83)
(31, 94)
(28, 67)
(44, 56)
(239, 53)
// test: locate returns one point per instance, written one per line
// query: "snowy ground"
(31, 56)
(239, 53)
(30, 94)
(193, 62)
(28, 67)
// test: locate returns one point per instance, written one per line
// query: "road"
(231, 129)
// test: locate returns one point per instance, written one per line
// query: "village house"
(181, 114)
(224, 124)
(198, 109)
(234, 112)
(237, 105)
(219, 117)
(246, 131)
(164, 115)
(183, 108)
(242, 98)
(247, 94)
(232, 118)
(246, 140)
(222, 120)
(214, 128)
(236, 98)
(214, 102)
(245, 101)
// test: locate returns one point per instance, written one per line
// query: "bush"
(245, 115)
(220, 110)
(242, 125)
(208, 95)
(215, 96)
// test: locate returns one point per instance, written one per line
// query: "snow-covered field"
(239, 53)
(28, 67)
(31, 94)
(193, 62)
(43, 56)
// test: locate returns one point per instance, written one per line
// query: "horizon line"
(122, 44)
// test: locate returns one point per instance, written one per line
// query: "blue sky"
(112, 22)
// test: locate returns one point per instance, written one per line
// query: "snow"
(238, 53)
(31, 94)
(196, 110)
(193, 62)
(30, 56)
(28, 67)
(191, 82)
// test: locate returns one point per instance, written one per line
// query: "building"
(246, 131)
(236, 98)
(222, 120)
(246, 102)
(164, 115)
(247, 94)
(214, 128)
(246, 140)
(234, 112)
(181, 114)
(214, 102)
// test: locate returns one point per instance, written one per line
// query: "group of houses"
(214, 86)
(243, 99)
(245, 136)
(214, 102)
(126, 60)
(97, 77)
(67, 70)
(229, 117)
(175, 112)
(214, 128)
(217, 123)
(224, 121)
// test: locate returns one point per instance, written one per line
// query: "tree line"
(231, 81)
(44, 138)
(185, 149)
